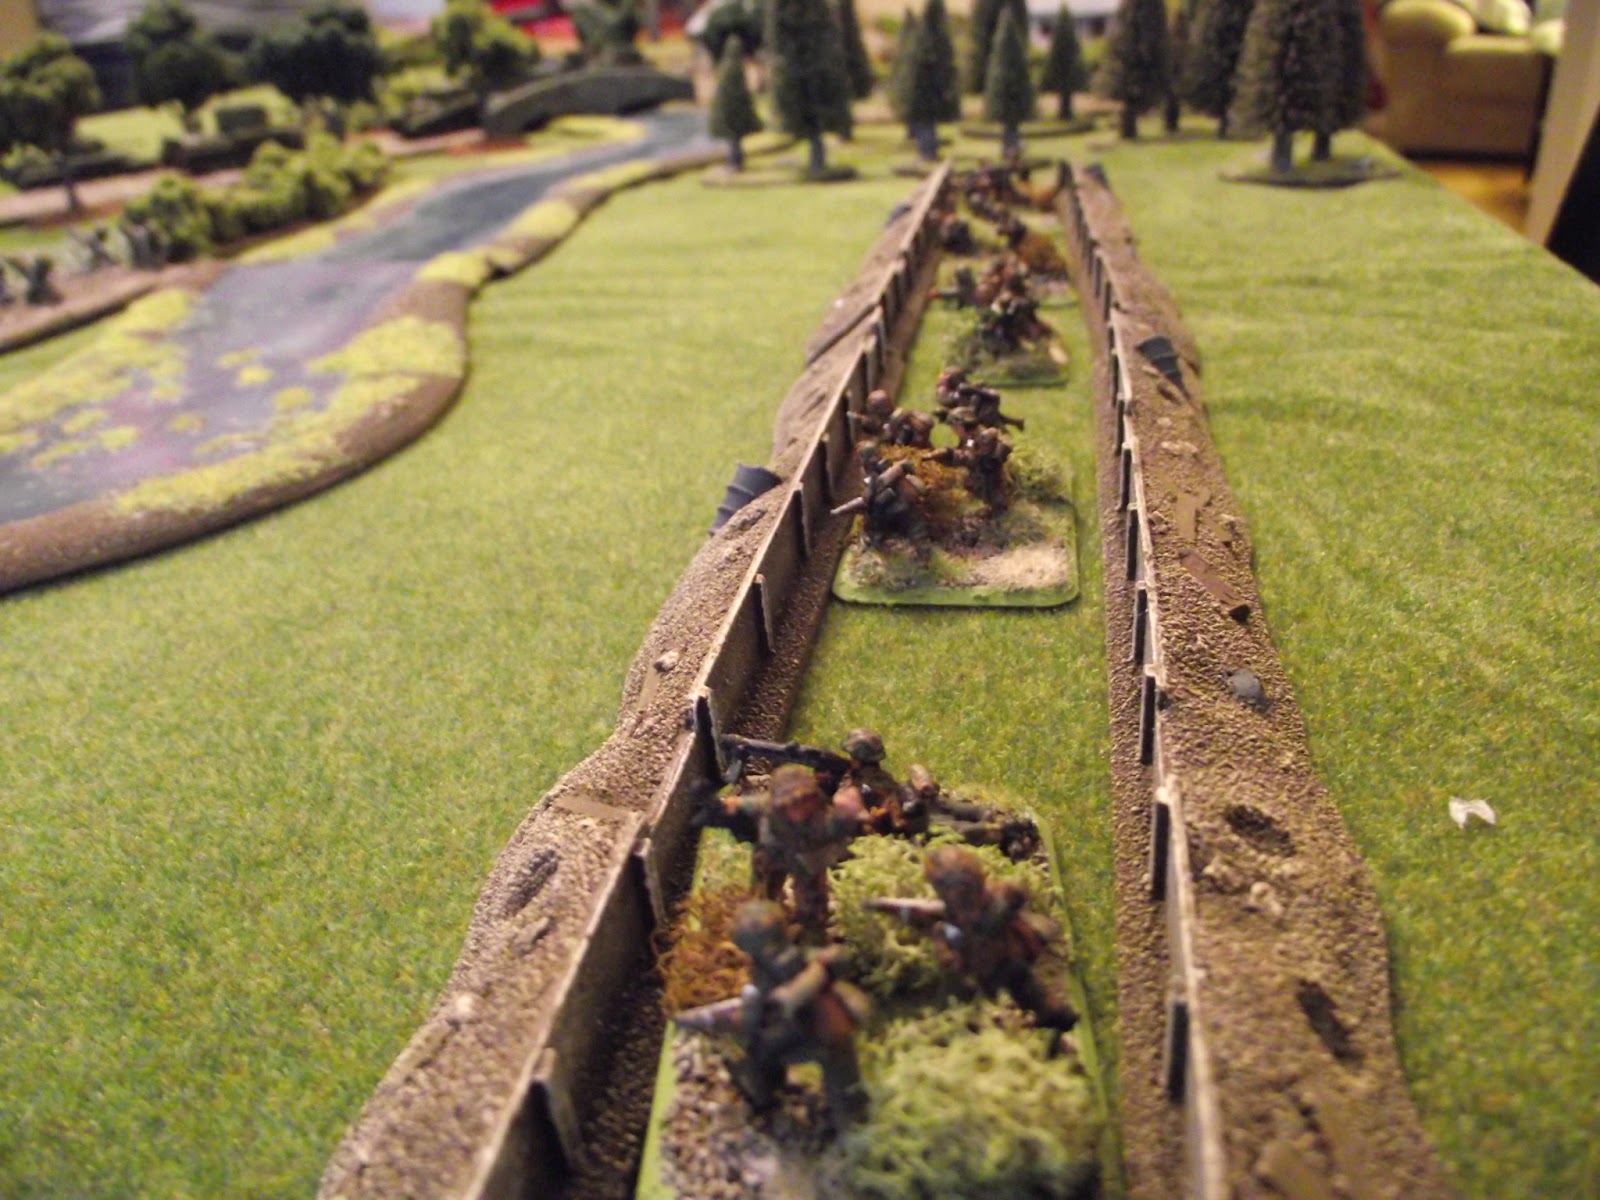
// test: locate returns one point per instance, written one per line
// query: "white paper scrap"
(1463, 810)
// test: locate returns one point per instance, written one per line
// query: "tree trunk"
(735, 154)
(1172, 114)
(1222, 125)
(1010, 143)
(819, 155)
(927, 138)
(1130, 123)
(1283, 151)
(1065, 111)
(1322, 147)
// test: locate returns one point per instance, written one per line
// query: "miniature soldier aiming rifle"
(983, 931)
(96, 246)
(889, 500)
(955, 391)
(983, 454)
(871, 422)
(859, 781)
(794, 1009)
(37, 287)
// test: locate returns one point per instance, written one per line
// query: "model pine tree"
(932, 91)
(484, 50)
(856, 63)
(1008, 95)
(330, 54)
(1138, 64)
(733, 111)
(900, 70)
(806, 73)
(1288, 72)
(174, 62)
(985, 21)
(1064, 70)
(1212, 60)
(1178, 34)
(1348, 102)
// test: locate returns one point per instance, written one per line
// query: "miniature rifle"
(740, 750)
(921, 914)
(732, 1015)
(875, 484)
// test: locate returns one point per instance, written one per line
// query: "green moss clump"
(118, 437)
(404, 346)
(1038, 475)
(548, 219)
(1025, 1125)
(82, 420)
(469, 268)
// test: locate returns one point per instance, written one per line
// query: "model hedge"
(331, 55)
(932, 90)
(733, 114)
(174, 61)
(1211, 61)
(806, 74)
(1138, 62)
(1008, 95)
(1064, 69)
(44, 89)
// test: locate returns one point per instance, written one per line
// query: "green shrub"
(1025, 1125)
(176, 208)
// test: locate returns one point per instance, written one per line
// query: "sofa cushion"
(1512, 17)
(1484, 66)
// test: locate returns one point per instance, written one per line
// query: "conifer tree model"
(1287, 72)
(1008, 95)
(174, 62)
(1064, 70)
(810, 90)
(1347, 104)
(1138, 63)
(484, 50)
(733, 112)
(856, 63)
(985, 21)
(932, 90)
(900, 71)
(1178, 35)
(331, 54)
(1212, 61)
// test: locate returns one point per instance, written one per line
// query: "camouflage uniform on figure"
(983, 454)
(890, 500)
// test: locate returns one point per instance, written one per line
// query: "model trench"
(1252, 974)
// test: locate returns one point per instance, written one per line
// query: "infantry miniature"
(983, 455)
(147, 250)
(795, 1009)
(955, 390)
(963, 290)
(871, 423)
(1014, 834)
(955, 235)
(37, 287)
(1012, 322)
(96, 246)
(890, 501)
(984, 933)
(891, 808)
(799, 833)
(910, 428)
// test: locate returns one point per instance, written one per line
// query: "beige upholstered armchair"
(1451, 89)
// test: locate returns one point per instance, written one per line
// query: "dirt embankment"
(505, 1088)
(1258, 1054)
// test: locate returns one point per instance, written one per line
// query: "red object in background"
(545, 19)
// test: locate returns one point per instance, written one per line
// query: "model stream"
(255, 332)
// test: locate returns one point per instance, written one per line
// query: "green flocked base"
(1028, 558)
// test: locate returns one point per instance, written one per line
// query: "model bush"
(1211, 61)
(964, 1102)
(483, 50)
(1288, 72)
(1008, 95)
(1064, 68)
(1137, 66)
(932, 92)
(174, 61)
(981, 29)
(331, 55)
(279, 188)
(729, 18)
(857, 66)
(806, 74)
(44, 89)
(607, 30)
(733, 111)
